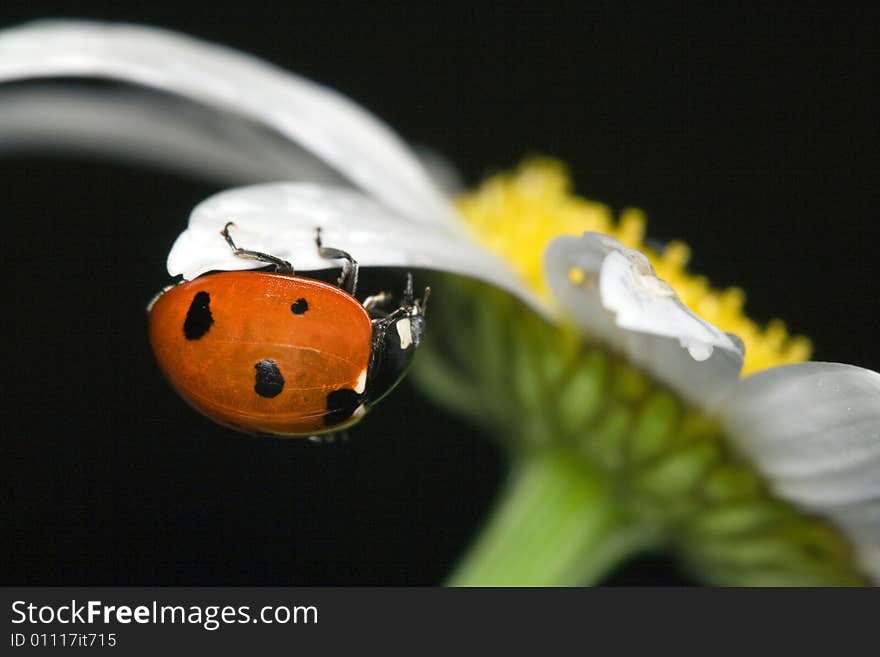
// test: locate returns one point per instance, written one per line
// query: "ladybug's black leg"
(384, 322)
(281, 266)
(374, 302)
(408, 307)
(349, 277)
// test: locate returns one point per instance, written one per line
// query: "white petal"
(153, 128)
(280, 218)
(814, 430)
(612, 293)
(326, 123)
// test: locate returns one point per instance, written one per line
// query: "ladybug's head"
(395, 340)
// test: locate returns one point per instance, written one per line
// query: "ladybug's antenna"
(281, 266)
(409, 296)
(408, 290)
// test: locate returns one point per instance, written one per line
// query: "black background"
(749, 132)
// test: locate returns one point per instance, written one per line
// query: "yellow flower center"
(517, 214)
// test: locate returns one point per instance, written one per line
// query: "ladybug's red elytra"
(270, 352)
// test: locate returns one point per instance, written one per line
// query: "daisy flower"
(640, 407)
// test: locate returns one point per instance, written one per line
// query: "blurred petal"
(280, 218)
(814, 430)
(167, 131)
(331, 126)
(153, 128)
(612, 293)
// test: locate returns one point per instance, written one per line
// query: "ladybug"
(270, 352)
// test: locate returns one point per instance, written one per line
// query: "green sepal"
(669, 476)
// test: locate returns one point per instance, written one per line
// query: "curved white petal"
(280, 218)
(153, 128)
(326, 123)
(163, 130)
(814, 430)
(612, 293)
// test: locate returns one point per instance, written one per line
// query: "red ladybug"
(274, 353)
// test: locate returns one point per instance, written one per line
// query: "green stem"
(556, 524)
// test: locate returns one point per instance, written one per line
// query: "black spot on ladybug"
(299, 307)
(270, 383)
(198, 317)
(340, 405)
